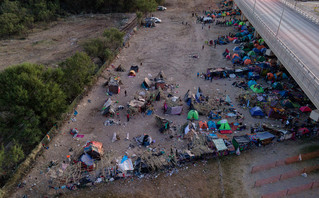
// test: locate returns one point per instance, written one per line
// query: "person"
(125, 93)
(197, 74)
(203, 47)
(128, 117)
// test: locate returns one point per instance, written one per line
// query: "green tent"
(261, 59)
(223, 125)
(251, 53)
(241, 23)
(192, 114)
(251, 45)
(261, 41)
(257, 88)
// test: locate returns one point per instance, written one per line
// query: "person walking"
(125, 93)
(128, 117)
(197, 74)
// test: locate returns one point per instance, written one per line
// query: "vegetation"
(18, 16)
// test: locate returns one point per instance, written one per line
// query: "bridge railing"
(303, 10)
(300, 72)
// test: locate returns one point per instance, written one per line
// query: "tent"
(287, 103)
(108, 107)
(236, 59)
(251, 82)
(305, 109)
(94, 149)
(125, 167)
(303, 131)
(277, 86)
(247, 62)
(146, 83)
(283, 93)
(224, 126)
(261, 59)
(120, 69)
(256, 111)
(237, 50)
(246, 57)
(257, 51)
(160, 76)
(192, 114)
(114, 85)
(265, 137)
(211, 125)
(132, 73)
(241, 142)
(257, 88)
(251, 53)
(134, 68)
(203, 125)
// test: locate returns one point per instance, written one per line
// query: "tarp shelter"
(287, 103)
(277, 86)
(257, 88)
(132, 73)
(220, 144)
(211, 125)
(134, 68)
(253, 75)
(146, 83)
(108, 107)
(256, 111)
(176, 110)
(114, 85)
(241, 142)
(120, 69)
(251, 82)
(94, 149)
(224, 126)
(265, 137)
(125, 166)
(160, 76)
(192, 115)
(87, 161)
(305, 109)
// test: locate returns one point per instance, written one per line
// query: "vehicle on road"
(161, 8)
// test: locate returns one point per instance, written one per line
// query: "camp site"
(195, 104)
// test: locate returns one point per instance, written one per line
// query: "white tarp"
(220, 144)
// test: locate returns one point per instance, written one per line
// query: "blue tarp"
(256, 111)
(251, 82)
(211, 125)
(246, 57)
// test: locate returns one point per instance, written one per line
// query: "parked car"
(161, 8)
(156, 20)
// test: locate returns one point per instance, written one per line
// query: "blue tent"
(263, 50)
(244, 27)
(253, 75)
(236, 59)
(211, 125)
(246, 57)
(284, 76)
(237, 50)
(256, 111)
(257, 51)
(251, 82)
(283, 93)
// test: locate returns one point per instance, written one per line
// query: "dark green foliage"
(102, 47)
(78, 71)
(18, 16)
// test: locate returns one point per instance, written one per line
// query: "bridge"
(292, 36)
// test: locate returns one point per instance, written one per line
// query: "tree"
(78, 71)
(15, 154)
(146, 6)
(114, 38)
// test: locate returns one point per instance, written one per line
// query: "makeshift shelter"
(253, 75)
(256, 111)
(276, 113)
(173, 106)
(241, 142)
(265, 137)
(277, 86)
(94, 150)
(251, 82)
(224, 126)
(114, 85)
(160, 76)
(160, 83)
(257, 88)
(134, 68)
(108, 107)
(87, 162)
(302, 131)
(287, 103)
(261, 59)
(146, 83)
(220, 146)
(247, 62)
(192, 115)
(162, 123)
(251, 54)
(120, 69)
(125, 167)
(305, 109)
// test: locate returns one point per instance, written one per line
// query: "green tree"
(15, 154)
(2, 160)
(146, 6)
(78, 71)
(114, 38)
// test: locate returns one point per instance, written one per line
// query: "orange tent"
(260, 47)
(247, 62)
(270, 76)
(235, 55)
(203, 125)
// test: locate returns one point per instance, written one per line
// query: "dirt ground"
(58, 40)
(168, 47)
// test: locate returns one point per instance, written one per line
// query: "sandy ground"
(166, 47)
(58, 40)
